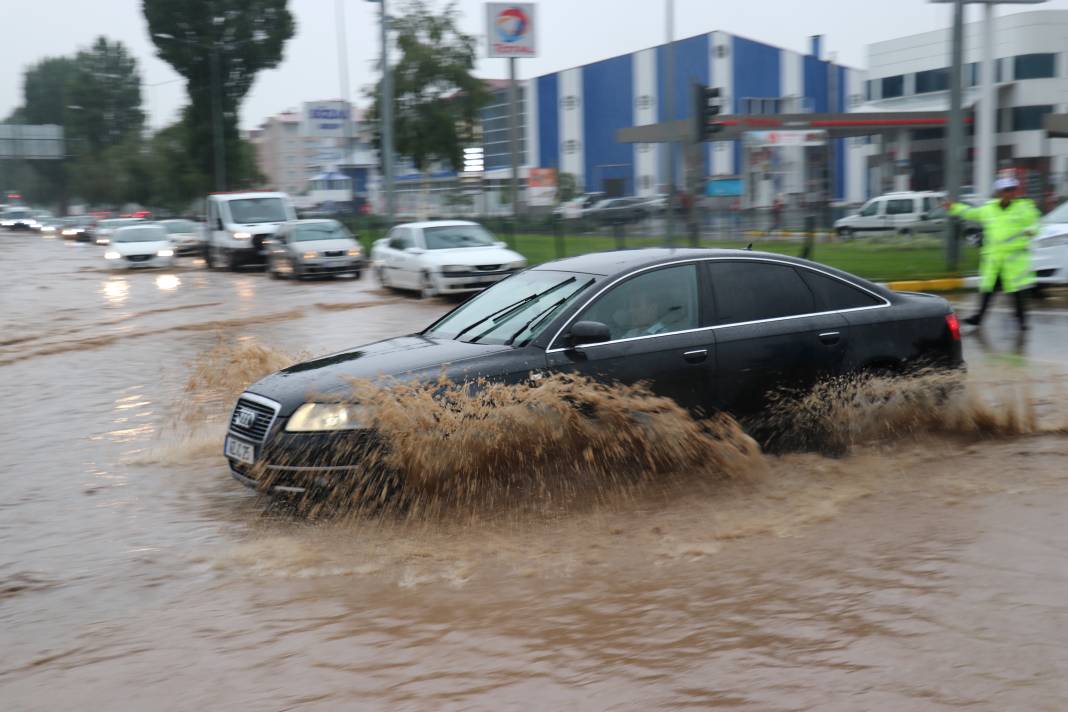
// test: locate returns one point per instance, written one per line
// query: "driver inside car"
(646, 315)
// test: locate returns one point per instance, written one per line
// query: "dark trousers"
(1019, 300)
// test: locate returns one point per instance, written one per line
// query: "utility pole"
(387, 118)
(956, 133)
(513, 137)
(986, 151)
(343, 77)
(669, 106)
(217, 127)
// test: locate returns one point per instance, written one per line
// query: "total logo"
(512, 25)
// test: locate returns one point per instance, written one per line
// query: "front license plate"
(240, 451)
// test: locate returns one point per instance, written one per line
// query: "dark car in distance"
(712, 329)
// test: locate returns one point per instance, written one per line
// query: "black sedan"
(712, 329)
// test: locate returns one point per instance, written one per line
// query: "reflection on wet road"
(926, 573)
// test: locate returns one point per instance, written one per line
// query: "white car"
(143, 245)
(1049, 251)
(442, 257)
(107, 227)
(187, 236)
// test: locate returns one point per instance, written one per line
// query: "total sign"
(510, 29)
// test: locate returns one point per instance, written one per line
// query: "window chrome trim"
(698, 260)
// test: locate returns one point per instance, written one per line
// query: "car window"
(249, 211)
(832, 293)
(900, 206)
(751, 291)
(399, 238)
(870, 210)
(148, 233)
(446, 237)
(657, 302)
(308, 232)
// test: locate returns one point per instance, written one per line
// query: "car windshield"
(148, 233)
(83, 222)
(450, 236)
(319, 231)
(17, 214)
(180, 226)
(513, 311)
(247, 211)
(1058, 215)
(116, 223)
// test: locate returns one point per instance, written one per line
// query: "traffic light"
(708, 107)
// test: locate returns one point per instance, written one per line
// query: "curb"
(949, 284)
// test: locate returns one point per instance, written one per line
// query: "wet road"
(923, 573)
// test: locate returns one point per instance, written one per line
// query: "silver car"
(306, 248)
(187, 236)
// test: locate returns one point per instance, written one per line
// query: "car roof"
(140, 226)
(622, 261)
(437, 223)
(247, 194)
(313, 221)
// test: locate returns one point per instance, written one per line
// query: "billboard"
(541, 186)
(510, 29)
(43, 141)
(775, 139)
(325, 119)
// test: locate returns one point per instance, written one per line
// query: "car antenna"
(749, 247)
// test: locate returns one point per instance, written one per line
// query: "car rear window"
(832, 293)
(751, 291)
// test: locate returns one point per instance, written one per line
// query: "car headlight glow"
(327, 417)
(354, 252)
(103, 241)
(453, 269)
(111, 255)
(242, 235)
(165, 252)
(310, 255)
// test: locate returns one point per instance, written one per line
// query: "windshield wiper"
(541, 316)
(504, 311)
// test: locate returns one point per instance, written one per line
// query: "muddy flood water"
(924, 569)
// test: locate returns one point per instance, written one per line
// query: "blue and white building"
(570, 118)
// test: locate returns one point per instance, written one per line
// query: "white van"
(238, 223)
(892, 214)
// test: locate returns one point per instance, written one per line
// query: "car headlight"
(165, 252)
(354, 252)
(454, 269)
(518, 264)
(242, 235)
(103, 241)
(111, 255)
(310, 255)
(327, 417)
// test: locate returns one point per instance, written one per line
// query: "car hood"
(405, 357)
(341, 243)
(140, 248)
(470, 256)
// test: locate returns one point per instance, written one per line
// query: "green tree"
(244, 37)
(436, 97)
(106, 89)
(46, 87)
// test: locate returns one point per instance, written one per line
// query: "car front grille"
(334, 253)
(487, 268)
(138, 258)
(253, 426)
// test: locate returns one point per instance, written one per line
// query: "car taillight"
(954, 326)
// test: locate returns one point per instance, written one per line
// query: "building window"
(972, 73)
(932, 80)
(1029, 118)
(867, 90)
(1034, 66)
(999, 70)
(893, 86)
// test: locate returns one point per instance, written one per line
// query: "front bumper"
(332, 265)
(470, 281)
(128, 263)
(1050, 264)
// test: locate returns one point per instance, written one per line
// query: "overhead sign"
(325, 118)
(44, 141)
(774, 139)
(541, 186)
(510, 29)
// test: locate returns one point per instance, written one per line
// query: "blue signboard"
(724, 188)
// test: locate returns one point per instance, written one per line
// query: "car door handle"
(696, 356)
(830, 337)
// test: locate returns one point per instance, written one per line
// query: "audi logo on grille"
(245, 418)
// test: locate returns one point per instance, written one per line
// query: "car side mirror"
(588, 332)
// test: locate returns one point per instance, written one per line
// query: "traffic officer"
(1009, 222)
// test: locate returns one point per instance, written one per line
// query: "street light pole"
(217, 123)
(669, 106)
(387, 118)
(956, 132)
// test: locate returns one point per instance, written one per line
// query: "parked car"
(715, 330)
(442, 257)
(187, 236)
(105, 228)
(934, 223)
(81, 228)
(239, 223)
(143, 245)
(893, 213)
(306, 248)
(1049, 251)
(618, 211)
(577, 207)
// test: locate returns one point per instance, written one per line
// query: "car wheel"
(426, 287)
(845, 233)
(209, 259)
(905, 232)
(356, 275)
(380, 275)
(232, 262)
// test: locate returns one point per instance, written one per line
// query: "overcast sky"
(571, 32)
